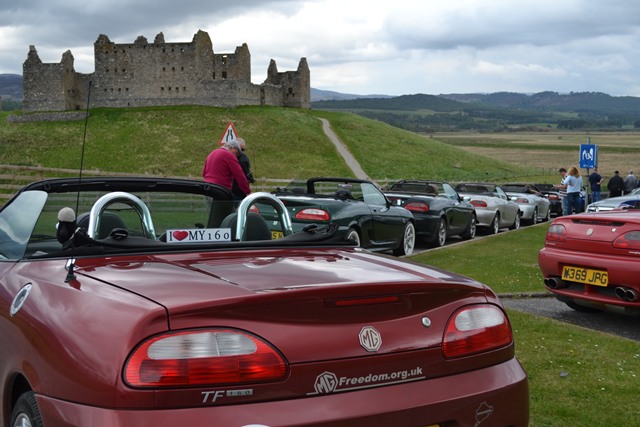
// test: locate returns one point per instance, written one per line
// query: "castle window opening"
(214, 75)
(224, 59)
(224, 75)
(177, 89)
(184, 88)
(173, 68)
(161, 88)
(163, 69)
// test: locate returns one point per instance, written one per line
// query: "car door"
(508, 209)
(388, 224)
(459, 211)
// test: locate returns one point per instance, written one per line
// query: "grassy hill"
(282, 143)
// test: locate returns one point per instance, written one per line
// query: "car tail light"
(521, 200)
(556, 233)
(417, 207)
(203, 357)
(313, 214)
(476, 329)
(630, 240)
(478, 203)
(553, 197)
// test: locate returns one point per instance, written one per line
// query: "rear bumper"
(496, 396)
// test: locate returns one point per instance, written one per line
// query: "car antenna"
(71, 263)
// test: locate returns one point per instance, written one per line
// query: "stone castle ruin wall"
(160, 74)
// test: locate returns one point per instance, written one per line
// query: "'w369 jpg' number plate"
(585, 275)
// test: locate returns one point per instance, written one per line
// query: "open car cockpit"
(62, 217)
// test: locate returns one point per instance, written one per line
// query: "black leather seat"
(108, 222)
(256, 227)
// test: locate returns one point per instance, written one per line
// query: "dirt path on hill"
(342, 150)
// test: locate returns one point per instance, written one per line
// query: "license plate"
(585, 275)
(275, 235)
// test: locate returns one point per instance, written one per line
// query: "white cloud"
(358, 46)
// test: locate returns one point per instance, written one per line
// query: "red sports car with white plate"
(591, 261)
(150, 302)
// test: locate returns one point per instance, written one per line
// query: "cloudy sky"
(363, 46)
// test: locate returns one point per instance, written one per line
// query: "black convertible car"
(362, 212)
(437, 208)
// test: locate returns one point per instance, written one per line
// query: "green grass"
(282, 143)
(577, 377)
(507, 262)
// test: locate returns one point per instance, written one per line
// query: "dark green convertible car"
(362, 212)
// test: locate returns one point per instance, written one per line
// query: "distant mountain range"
(543, 101)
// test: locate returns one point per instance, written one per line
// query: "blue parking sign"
(588, 156)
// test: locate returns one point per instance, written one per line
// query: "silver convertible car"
(494, 209)
(533, 205)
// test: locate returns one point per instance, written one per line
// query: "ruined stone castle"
(160, 74)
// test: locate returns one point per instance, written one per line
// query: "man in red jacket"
(222, 167)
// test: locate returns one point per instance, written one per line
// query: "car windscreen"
(17, 223)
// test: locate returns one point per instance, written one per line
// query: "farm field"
(552, 150)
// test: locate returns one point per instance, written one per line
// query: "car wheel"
(516, 222)
(352, 234)
(441, 234)
(408, 241)
(470, 232)
(534, 217)
(26, 412)
(547, 217)
(494, 228)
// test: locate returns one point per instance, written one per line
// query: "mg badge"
(590, 232)
(370, 338)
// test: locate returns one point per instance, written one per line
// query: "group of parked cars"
(377, 219)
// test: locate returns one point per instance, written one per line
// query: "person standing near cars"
(630, 183)
(562, 191)
(595, 179)
(572, 184)
(243, 159)
(615, 185)
(223, 168)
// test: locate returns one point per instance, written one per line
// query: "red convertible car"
(143, 301)
(591, 261)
